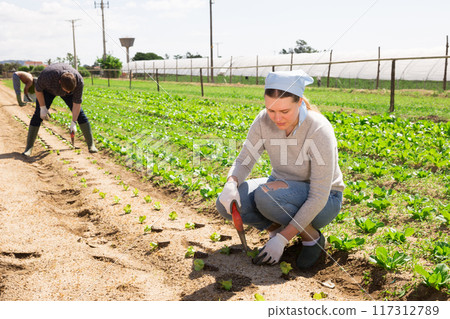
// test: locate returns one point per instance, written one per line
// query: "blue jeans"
(262, 207)
(48, 98)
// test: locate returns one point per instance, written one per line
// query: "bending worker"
(304, 191)
(59, 80)
(29, 82)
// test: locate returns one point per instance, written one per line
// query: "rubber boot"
(87, 133)
(32, 134)
(19, 100)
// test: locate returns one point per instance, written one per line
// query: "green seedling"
(84, 185)
(142, 219)
(441, 251)
(173, 215)
(127, 209)
(225, 250)
(94, 162)
(153, 245)
(157, 206)
(367, 225)
(102, 195)
(226, 284)
(75, 174)
(148, 199)
(259, 297)
(437, 279)
(285, 267)
(389, 260)
(66, 162)
(199, 264)
(57, 152)
(190, 252)
(78, 152)
(189, 225)
(136, 192)
(107, 172)
(341, 216)
(319, 295)
(379, 204)
(215, 237)
(253, 253)
(125, 186)
(398, 237)
(95, 190)
(345, 244)
(117, 177)
(116, 199)
(71, 169)
(444, 217)
(147, 229)
(83, 180)
(421, 213)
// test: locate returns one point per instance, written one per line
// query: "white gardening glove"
(44, 113)
(73, 127)
(272, 251)
(229, 194)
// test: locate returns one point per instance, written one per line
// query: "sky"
(40, 30)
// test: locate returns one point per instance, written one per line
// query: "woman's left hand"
(272, 251)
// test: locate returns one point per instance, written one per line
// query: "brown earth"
(59, 240)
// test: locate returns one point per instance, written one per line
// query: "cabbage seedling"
(125, 186)
(259, 297)
(148, 199)
(226, 284)
(199, 264)
(225, 250)
(157, 206)
(142, 219)
(153, 245)
(215, 237)
(116, 199)
(135, 192)
(173, 215)
(96, 190)
(189, 225)
(102, 195)
(253, 253)
(190, 252)
(285, 267)
(147, 228)
(127, 209)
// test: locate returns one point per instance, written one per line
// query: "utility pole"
(211, 39)
(75, 62)
(102, 6)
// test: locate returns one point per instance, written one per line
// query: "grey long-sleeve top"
(309, 155)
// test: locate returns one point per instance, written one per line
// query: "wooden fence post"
(145, 73)
(157, 80)
(130, 77)
(191, 69)
(201, 80)
(176, 70)
(292, 60)
(378, 69)
(391, 108)
(257, 82)
(329, 69)
(445, 66)
(231, 70)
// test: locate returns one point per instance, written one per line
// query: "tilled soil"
(60, 240)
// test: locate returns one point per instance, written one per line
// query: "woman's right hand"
(229, 194)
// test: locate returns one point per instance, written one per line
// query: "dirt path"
(59, 240)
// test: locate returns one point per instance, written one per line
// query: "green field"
(396, 166)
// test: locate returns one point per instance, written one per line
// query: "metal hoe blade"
(238, 224)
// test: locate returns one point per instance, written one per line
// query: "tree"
(301, 47)
(68, 59)
(189, 55)
(111, 63)
(139, 56)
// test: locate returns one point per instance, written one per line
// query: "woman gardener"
(304, 191)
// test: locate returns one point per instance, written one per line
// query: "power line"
(75, 62)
